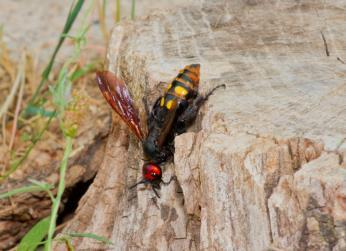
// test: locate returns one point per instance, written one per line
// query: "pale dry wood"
(262, 168)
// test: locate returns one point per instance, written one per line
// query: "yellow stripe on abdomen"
(180, 91)
(162, 102)
(169, 104)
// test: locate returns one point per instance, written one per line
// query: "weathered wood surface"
(263, 167)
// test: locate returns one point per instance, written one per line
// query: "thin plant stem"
(61, 188)
(133, 9)
(117, 11)
(19, 102)
(68, 24)
(14, 89)
(102, 19)
(3, 127)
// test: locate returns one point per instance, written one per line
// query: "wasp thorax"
(152, 151)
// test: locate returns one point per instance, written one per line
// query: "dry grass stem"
(4, 129)
(4, 108)
(19, 102)
(102, 19)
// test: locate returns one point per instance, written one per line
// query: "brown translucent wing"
(117, 95)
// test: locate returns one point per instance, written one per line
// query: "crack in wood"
(325, 44)
(340, 60)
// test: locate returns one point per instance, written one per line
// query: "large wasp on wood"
(171, 114)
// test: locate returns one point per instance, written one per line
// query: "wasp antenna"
(170, 180)
(214, 89)
(138, 183)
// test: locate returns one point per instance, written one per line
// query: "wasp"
(171, 115)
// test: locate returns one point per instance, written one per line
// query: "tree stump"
(263, 166)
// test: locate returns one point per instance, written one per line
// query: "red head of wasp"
(171, 114)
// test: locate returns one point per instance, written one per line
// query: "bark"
(262, 168)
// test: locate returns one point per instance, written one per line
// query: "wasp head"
(152, 173)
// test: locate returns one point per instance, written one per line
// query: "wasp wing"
(117, 95)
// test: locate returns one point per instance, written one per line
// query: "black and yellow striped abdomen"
(161, 123)
(183, 87)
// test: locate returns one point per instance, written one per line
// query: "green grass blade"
(33, 110)
(41, 184)
(33, 238)
(61, 188)
(81, 72)
(68, 24)
(91, 236)
(117, 13)
(69, 245)
(25, 189)
(133, 9)
(104, 6)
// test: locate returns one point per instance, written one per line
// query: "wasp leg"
(163, 84)
(151, 116)
(165, 154)
(190, 114)
(156, 193)
(138, 183)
